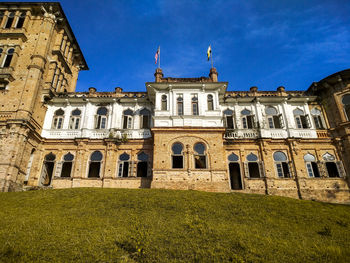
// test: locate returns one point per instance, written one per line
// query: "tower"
(39, 57)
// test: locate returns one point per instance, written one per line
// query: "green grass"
(120, 225)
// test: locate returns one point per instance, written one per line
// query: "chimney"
(213, 75)
(118, 90)
(158, 75)
(92, 90)
(253, 89)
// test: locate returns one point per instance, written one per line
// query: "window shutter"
(58, 169)
(131, 168)
(262, 169)
(246, 170)
(320, 166)
(291, 170)
(149, 168)
(341, 169)
(308, 122)
(281, 120)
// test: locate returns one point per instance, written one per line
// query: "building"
(181, 133)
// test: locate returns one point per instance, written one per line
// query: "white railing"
(96, 134)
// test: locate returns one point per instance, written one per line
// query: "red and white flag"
(157, 55)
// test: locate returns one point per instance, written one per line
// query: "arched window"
(75, 119)
(281, 163)
(95, 164)
(8, 58)
(101, 118)
(346, 103)
(145, 119)
(235, 172)
(47, 170)
(200, 157)
(10, 19)
(127, 119)
(252, 166)
(228, 119)
(164, 102)
(142, 165)
(67, 165)
(180, 105)
(195, 104)
(124, 161)
(58, 117)
(318, 119)
(20, 20)
(273, 118)
(247, 119)
(55, 77)
(177, 156)
(29, 166)
(332, 166)
(233, 158)
(302, 121)
(210, 102)
(311, 165)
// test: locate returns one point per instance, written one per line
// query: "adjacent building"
(180, 133)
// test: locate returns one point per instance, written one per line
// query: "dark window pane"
(233, 157)
(229, 122)
(200, 161)
(96, 156)
(285, 170)
(279, 157)
(142, 157)
(68, 157)
(124, 157)
(178, 161)
(66, 169)
(252, 157)
(177, 148)
(254, 170)
(199, 148)
(102, 111)
(315, 169)
(332, 169)
(94, 170)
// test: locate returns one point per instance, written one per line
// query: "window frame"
(177, 155)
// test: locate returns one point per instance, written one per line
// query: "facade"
(180, 133)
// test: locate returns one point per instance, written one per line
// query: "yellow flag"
(209, 52)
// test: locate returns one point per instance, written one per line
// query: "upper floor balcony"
(270, 133)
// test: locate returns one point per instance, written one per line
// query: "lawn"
(149, 225)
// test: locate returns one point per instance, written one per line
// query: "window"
(55, 77)
(302, 121)
(127, 119)
(311, 165)
(58, 117)
(1, 16)
(247, 119)
(101, 118)
(200, 158)
(8, 58)
(332, 167)
(317, 117)
(177, 156)
(124, 165)
(195, 104)
(210, 102)
(228, 119)
(95, 164)
(67, 165)
(63, 43)
(29, 166)
(346, 103)
(10, 19)
(282, 167)
(273, 118)
(142, 165)
(75, 119)
(236, 182)
(47, 170)
(164, 102)
(145, 119)
(233, 157)
(180, 106)
(253, 166)
(20, 20)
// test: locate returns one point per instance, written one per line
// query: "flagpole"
(159, 58)
(211, 57)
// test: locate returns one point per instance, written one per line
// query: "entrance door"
(235, 176)
(142, 169)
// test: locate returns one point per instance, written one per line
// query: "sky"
(267, 44)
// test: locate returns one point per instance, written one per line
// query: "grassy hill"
(119, 225)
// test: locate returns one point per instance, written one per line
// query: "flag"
(157, 55)
(209, 52)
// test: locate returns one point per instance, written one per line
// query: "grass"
(148, 225)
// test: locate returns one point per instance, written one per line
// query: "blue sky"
(255, 43)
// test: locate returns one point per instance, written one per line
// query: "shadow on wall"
(146, 182)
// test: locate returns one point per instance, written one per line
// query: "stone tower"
(39, 57)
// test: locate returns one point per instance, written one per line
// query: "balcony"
(241, 134)
(96, 134)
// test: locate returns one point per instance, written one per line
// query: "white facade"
(168, 115)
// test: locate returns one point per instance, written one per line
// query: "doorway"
(235, 176)
(142, 168)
